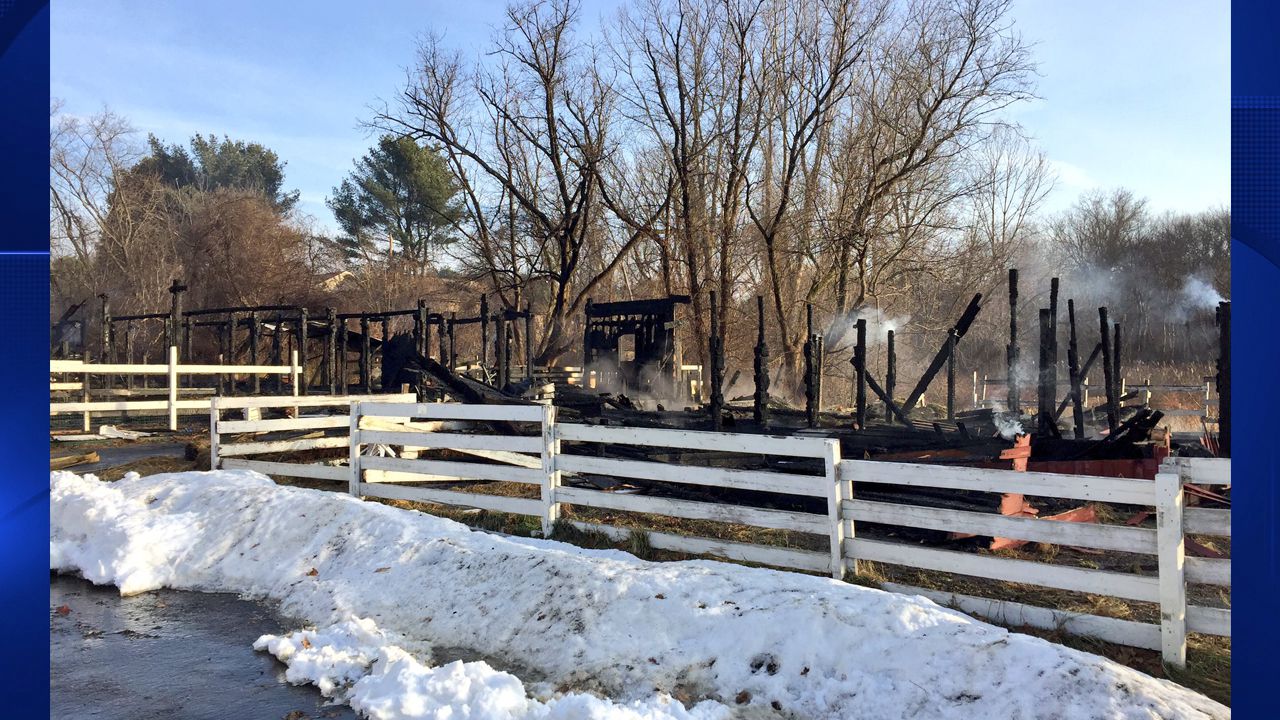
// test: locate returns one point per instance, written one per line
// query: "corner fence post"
(551, 476)
(1172, 566)
(173, 387)
(353, 453)
(214, 416)
(835, 498)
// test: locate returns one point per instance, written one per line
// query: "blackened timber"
(811, 362)
(175, 311)
(1074, 375)
(1084, 373)
(105, 330)
(1117, 374)
(365, 371)
(760, 408)
(961, 327)
(717, 368)
(382, 351)
(302, 350)
(484, 331)
(1223, 379)
(420, 328)
(860, 369)
(453, 345)
(1046, 392)
(890, 369)
(1108, 369)
(528, 342)
(1053, 325)
(343, 370)
(331, 350)
(652, 306)
(253, 350)
(275, 350)
(442, 341)
(951, 375)
(1011, 350)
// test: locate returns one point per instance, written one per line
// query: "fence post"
(214, 416)
(173, 387)
(551, 479)
(353, 445)
(1173, 588)
(295, 379)
(835, 498)
(86, 395)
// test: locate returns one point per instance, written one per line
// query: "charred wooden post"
(484, 329)
(1047, 391)
(343, 370)
(104, 346)
(187, 343)
(420, 339)
(175, 312)
(860, 369)
(810, 370)
(1053, 328)
(1073, 373)
(500, 349)
(365, 371)
(1223, 379)
(717, 367)
(760, 409)
(1108, 369)
(453, 344)
(276, 337)
(253, 350)
(442, 341)
(224, 352)
(331, 350)
(1117, 374)
(819, 361)
(303, 333)
(951, 374)
(1011, 351)
(961, 327)
(382, 351)
(890, 370)
(528, 342)
(128, 352)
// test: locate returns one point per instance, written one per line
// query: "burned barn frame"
(651, 324)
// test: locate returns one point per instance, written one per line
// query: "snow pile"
(355, 662)
(586, 620)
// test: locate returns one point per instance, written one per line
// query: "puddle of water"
(168, 654)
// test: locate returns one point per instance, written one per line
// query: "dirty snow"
(767, 643)
(354, 661)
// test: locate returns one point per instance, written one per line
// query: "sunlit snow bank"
(593, 620)
(356, 662)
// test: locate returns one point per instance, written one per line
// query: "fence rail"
(172, 370)
(542, 451)
(232, 455)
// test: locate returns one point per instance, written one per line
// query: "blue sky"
(1134, 92)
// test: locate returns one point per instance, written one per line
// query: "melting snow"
(384, 585)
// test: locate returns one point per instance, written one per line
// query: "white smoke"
(1009, 425)
(879, 324)
(1199, 295)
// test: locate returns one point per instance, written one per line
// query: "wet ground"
(121, 454)
(168, 655)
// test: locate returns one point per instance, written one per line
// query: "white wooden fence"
(529, 451)
(172, 372)
(238, 455)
